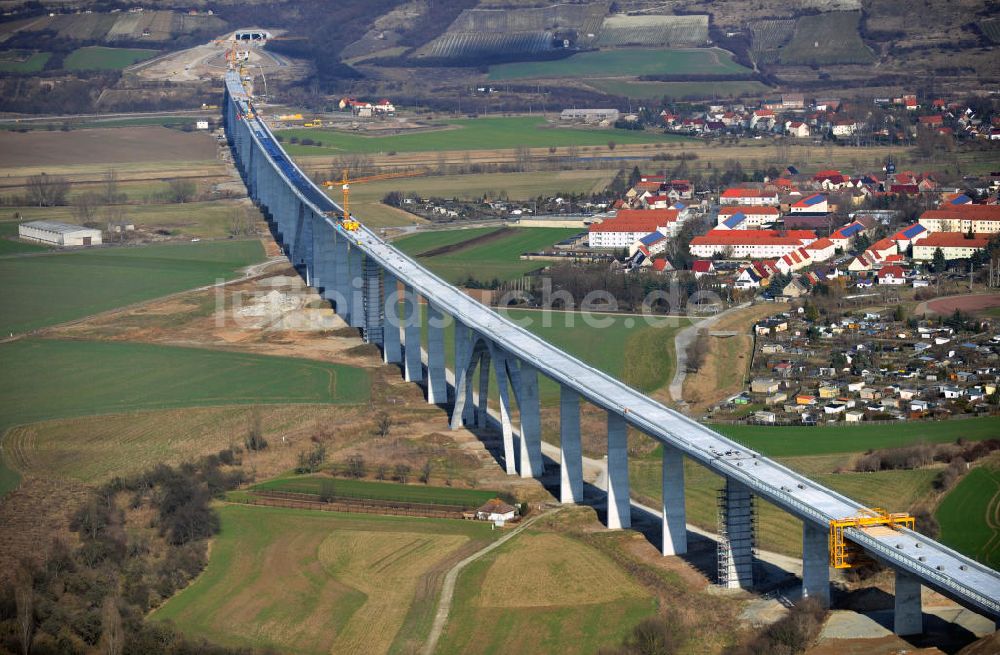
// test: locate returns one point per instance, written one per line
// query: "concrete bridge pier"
(465, 364)
(374, 302)
(413, 370)
(570, 449)
(357, 297)
(391, 352)
(816, 563)
(619, 505)
(341, 276)
(500, 370)
(736, 536)
(674, 512)
(324, 266)
(482, 411)
(908, 619)
(532, 464)
(437, 385)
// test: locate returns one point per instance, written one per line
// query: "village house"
(497, 512)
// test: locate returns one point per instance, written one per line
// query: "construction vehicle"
(349, 223)
(843, 553)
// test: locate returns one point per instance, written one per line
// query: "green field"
(793, 441)
(543, 592)
(970, 516)
(677, 90)
(631, 62)
(468, 134)
(50, 289)
(48, 379)
(421, 242)
(827, 38)
(408, 493)
(22, 62)
(102, 58)
(498, 258)
(322, 582)
(8, 231)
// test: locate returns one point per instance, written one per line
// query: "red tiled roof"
(754, 237)
(975, 212)
(702, 266)
(820, 244)
(882, 244)
(954, 240)
(892, 271)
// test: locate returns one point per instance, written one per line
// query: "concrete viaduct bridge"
(361, 275)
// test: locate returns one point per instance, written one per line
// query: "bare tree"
(381, 471)
(47, 190)
(697, 351)
(24, 597)
(181, 191)
(425, 472)
(111, 193)
(522, 157)
(402, 473)
(383, 425)
(356, 467)
(112, 632)
(241, 223)
(85, 208)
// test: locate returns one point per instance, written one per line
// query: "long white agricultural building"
(59, 234)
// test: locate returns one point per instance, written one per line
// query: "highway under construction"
(376, 288)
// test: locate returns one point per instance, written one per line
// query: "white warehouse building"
(59, 234)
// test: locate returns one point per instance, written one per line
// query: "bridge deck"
(936, 565)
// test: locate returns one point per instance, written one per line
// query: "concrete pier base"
(357, 297)
(570, 450)
(503, 390)
(673, 509)
(619, 505)
(816, 563)
(909, 619)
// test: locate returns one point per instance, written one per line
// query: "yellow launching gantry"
(845, 554)
(349, 223)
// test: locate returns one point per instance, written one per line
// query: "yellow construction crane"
(843, 553)
(345, 184)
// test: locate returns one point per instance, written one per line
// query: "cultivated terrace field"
(628, 62)
(101, 58)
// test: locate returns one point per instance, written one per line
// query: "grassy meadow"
(50, 289)
(467, 134)
(543, 592)
(827, 38)
(48, 379)
(970, 516)
(630, 61)
(391, 491)
(495, 259)
(677, 90)
(102, 58)
(321, 582)
(23, 62)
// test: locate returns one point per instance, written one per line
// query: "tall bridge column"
(570, 450)
(374, 302)
(674, 510)
(391, 353)
(816, 563)
(909, 618)
(342, 276)
(503, 389)
(482, 411)
(357, 297)
(323, 260)
(437, 386)
(736, 536)
(619, 504)
(464, 368)
(532, 464)
(413, 370)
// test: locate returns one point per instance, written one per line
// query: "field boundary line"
(448, 588)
